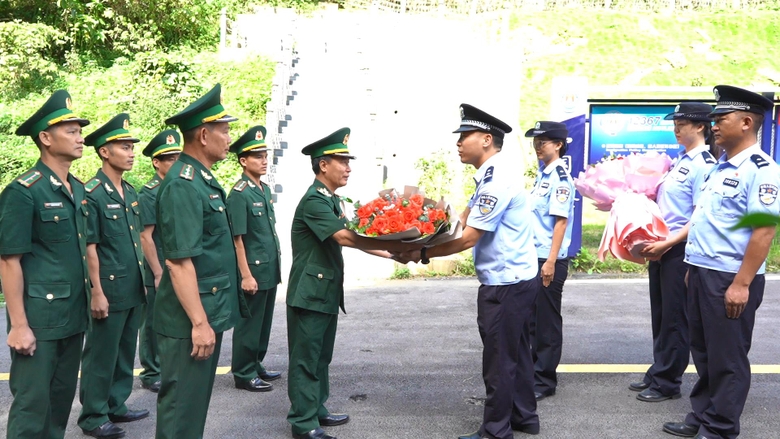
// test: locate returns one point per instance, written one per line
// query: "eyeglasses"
(539, 144)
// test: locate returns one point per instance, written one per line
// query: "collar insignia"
(324, 191)
(108, 188)
(205, 175)
(54, 181)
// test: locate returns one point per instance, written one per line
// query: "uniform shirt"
(40, 220)
(114, 225)
(678, 191)
(317, 272)
(147, 198)
(747, 183)
(552, 197)
(505, 253)
(193, 223)
(251, 215)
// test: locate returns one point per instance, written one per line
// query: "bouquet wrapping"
(406, 216)
(624, 186)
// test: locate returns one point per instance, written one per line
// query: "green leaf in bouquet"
(423, 218)
(757, 220)
(405, 202)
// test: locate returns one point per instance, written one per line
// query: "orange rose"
(394, 224)
(416, 200)
(415, 223)
(365, 211)
(409, 215)
(427, 228)
(363, 222)
(380, 224)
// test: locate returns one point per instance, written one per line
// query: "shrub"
(29, 56)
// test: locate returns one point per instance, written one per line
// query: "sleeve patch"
(708, 158)
(486, 204)
(488, 175)
(767, 193)
(187, 172)
(562, 194)
(562, 173)
(759, 161)
(240, 186)
(29, 178)
(92, 184)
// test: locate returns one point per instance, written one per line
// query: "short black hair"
(190, 134)
(564, 146)
(315, 163)
(498, 141)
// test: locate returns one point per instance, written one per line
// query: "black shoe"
(106, 431)
(334, 419)
(254, 385)
(473, 436)
(527, 429)
(698, 436)
(681, 429)
(541, 395)
(650, 395)
(130, 416)
(270, 375)
(154, 387)
(638, 387)
(314, 434)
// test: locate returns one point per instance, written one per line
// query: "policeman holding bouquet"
(498, 225)
(726, 274)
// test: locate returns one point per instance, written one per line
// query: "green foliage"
(588, 262)
(29, 56)
(465, 266)
(436, 176)
(757, 220)
(401, 272)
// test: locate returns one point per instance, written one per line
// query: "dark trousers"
(250, 338)
(185, 390)
(547, 328)
(107, 367)
(43, 386)
(720, 351)
(147, 339)
(504, 317)
(311, 336)
(669, 312)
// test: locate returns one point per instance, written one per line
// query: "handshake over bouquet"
(624, 186)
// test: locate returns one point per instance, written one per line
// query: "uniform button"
(319, 276)
(127, 210)
(85, 280)
(86, 213)
(135, 244)
(220, 208)
(84, 258)
(140, 263)
(111, 277)
(56, 218)
(114, 217)
(50, 296)
(257, 262)
(79, 235)
(214, 290)
(131, 227)
(261, 214)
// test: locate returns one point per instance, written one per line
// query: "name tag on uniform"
(52, 205)
(684, 170)
(730, 182)
(113, 206)
(258, 204)
(214, 196)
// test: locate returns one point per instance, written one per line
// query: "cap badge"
(259, 135)
(538, 126)
(346, 139)
(462, 113)
(126, 124)
(170, 140)
(717, 94)
(677, 109)
(68, 103)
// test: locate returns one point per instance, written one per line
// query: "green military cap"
(334, 144)
(56, 110)
(252, 141)
(114, 129)
(166, 142)
(207, 109)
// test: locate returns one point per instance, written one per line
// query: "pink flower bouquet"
(634, 222)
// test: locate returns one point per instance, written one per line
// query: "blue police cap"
(553, 130)
(474, 119)
(730, 99)
(695, 111)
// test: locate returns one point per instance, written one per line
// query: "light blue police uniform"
(747, 183)
(501, 208)
(552, 196)
(678, 191)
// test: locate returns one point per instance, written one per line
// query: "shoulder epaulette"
(708, 158)
(758, 160)
(562, 172)
(240, 186)
(187, 172)
(76, 178)
(92, 184)
(152, 184)
(29, 178)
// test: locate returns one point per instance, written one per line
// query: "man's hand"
(735, 300)
(249, 285)
(654, 250)
(22, 340)
(99, 305)
(157, 280)
(203, 342)
(547, 272)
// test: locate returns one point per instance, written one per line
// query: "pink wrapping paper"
(634, 222)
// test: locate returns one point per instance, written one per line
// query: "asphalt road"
(407, 365)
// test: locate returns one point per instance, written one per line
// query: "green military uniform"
(166, 142)
(46, 224)
(252, 217)
(109, 352)
(193, 224)
(315, 293)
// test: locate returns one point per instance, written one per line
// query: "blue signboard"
(575, 161)
(623, 129)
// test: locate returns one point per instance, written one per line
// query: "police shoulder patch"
(767, 193)
(758, 160)
(29, 178)
(488, 175)
(562, 172)
(187, 172)
(92, 184)
(562, 194)
(486, 204)
(152, 184)
(240, 186)
(708, 158)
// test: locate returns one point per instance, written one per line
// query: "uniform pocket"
(218, 223)
(55, 225)
(732, 203)
(47, 305)
(114, 223)
(316, 282)
(112, 280)
(213, 298)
